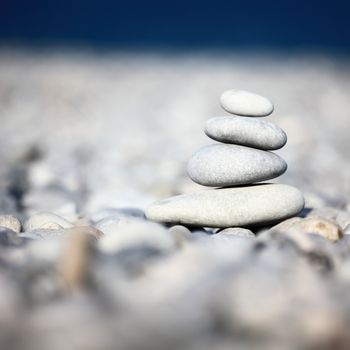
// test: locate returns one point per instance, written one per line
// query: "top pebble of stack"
(245, 103)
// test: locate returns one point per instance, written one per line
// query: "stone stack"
(235, 166)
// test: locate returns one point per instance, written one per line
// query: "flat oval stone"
(230, 207)
(245, 103)
(246, 132)
(231, 165)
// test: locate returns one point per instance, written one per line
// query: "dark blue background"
(179, 24)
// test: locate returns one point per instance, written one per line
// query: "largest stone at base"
(229, 207)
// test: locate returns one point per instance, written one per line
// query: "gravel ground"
(84, 133)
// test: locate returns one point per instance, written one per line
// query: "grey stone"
(246, 103)
(43, 233)
(134, 213)
(109, 225)
(326, 228)
(218, 241)
(45, 220)
(342, 217)
(231, 165)
(181, 234)
(133, 234)
(230, 207)
(304, 242)
(11, 222)
(113, 223)
(237, 232)
(246, 132)
(179, 229)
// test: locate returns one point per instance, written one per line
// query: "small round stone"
(246, 132)
(314, 225)
(181, 234)
(122, 213)
(341, 217)
(237, 232)
(10, 222)
(326, 228)
(246, 103)
(111, 224)
(231, 165)
(133, 234)
(230, 207)
(45, 220)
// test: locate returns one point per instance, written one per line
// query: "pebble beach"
(89, 140)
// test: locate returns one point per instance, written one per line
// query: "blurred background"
(180, 25)
(103, 102)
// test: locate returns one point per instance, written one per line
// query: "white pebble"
(135, 234)
(10, 222)
(44, 220)
(246, 103)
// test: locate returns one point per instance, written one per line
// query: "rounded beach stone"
(230, 165)
(313, 225)
(111, 224)
(181, 234)
(43, 233)
(245, 103)
(341, 217)
(246, 132)
(134, 234)
(45, 220)
(10, 222)
(129, 213)
(237, 232)
(324, 227)
(230, 207)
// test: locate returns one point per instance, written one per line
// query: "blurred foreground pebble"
(165, 282)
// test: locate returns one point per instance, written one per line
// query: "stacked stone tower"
(235, 166)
